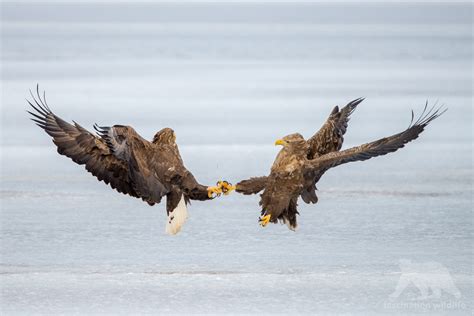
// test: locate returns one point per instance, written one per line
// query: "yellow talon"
(226, 187)
(264, 220)
(214, 190)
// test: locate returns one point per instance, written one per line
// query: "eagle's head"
(294, 143)
(165, 136)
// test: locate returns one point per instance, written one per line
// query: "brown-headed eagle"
(130, 164)
(300, 163)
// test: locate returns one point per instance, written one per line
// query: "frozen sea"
(230, 79)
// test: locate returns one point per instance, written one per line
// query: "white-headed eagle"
(130, 164)
(300, 163)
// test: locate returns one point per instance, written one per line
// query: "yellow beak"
(280, 142)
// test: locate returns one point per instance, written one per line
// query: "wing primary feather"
(39, 97)
(355, 103)
(426, 117)
(36, 115)
(44, 99)
(422, 114)
(96, 127)
(45, 111)
(38, 121)
(43, 127)
(34, 99)
(430, 110)
(412, 118)
(101, 129)
(38, 110)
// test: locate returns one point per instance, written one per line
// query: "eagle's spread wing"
(330, 137)
(377, 148)
(252, 185)
(83, 148)
(107, 157)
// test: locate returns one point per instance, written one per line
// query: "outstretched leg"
(195, 191)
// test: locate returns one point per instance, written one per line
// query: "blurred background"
(230, 79)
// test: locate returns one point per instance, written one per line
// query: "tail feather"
(177, 217)
(288, 216)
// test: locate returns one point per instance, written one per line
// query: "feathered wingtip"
(42, 109)
(355, 103)
(427, 115)
(350, 107)
(101, 130)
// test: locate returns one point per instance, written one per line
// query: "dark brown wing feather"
(83, 147)
(156, 169)
(330, 137)
(377, 148)
(252, 185)
(145, 162)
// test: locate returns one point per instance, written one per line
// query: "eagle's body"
(287, 175)
(300, 164)
(130, 164)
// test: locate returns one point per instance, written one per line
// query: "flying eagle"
(300, 163)
(130, 164)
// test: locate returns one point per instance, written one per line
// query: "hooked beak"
(280, 142)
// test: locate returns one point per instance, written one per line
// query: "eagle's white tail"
(177, 218)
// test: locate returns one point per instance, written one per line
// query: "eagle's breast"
(292, 165)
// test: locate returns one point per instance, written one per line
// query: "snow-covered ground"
(71, 245)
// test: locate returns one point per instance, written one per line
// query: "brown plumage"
(130, 164)
(300, 164)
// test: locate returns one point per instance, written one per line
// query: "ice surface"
(71, 245)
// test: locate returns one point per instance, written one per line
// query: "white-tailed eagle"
(300, 163)
(130, 164)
